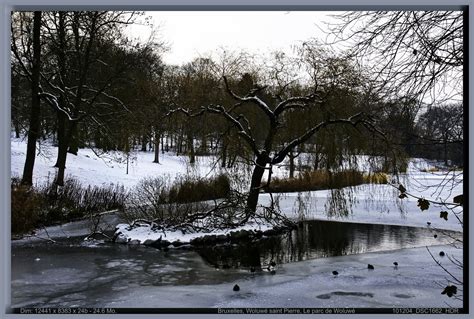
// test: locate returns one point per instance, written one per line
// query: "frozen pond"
(318, 239)
(72, 273)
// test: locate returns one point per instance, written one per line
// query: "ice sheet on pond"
(415, 283)
(131, 275)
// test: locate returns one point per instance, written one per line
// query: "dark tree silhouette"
(30, 65)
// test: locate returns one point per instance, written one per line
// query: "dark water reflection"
(319, 239)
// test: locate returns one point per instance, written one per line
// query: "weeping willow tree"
(282, 111)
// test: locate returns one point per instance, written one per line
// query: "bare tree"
(34, 129)
(31, 67)
(78, 43)
(418, 53)
(441, 133)
(273, 103)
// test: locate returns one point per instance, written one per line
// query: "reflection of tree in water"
(245, 255)
(312, 239)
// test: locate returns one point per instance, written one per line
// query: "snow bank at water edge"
(144, 233)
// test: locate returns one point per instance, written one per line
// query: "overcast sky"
(193, 33)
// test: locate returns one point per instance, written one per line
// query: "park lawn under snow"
(90, 169)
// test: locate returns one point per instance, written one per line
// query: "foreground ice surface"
(311, 284)
(124, 276)
(74, 273)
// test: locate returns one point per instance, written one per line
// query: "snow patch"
(144, 232)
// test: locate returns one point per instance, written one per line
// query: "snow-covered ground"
(144, 232)
(91, 169)
(365, 203)
(376, 202)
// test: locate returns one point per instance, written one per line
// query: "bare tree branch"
(252, 98)
(294, 102)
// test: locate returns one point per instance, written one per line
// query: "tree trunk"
(162, 143)
(17, 129)
(62, 146)
(156, 139)
(34, 129)
(144, 142)
(167, 146)
(257, 174)
(292, 164)
(192, 153)
(179, 144)
(61, 56)
(224, 153)
(62, 154)
(73, 146)
(128, 157)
